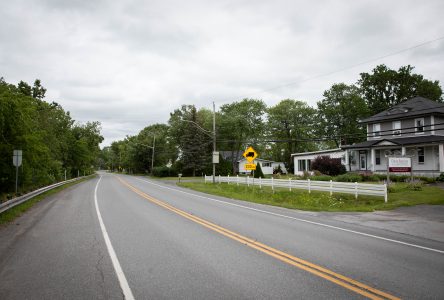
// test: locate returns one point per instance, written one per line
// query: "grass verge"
(400, 195)
(10, 215)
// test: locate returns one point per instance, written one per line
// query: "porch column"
(296, 166)
(347, 161)
(403, 151)
(306, 165)
(373, 159)
(441, 157)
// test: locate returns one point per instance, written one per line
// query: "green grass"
(9, 215)
(322, 201)
(177, 178)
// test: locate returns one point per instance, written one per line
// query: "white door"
(362, 161)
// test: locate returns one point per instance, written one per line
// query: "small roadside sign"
(250, 167)
(17, 158)
(250, 154)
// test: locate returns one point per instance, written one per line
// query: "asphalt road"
(129, 236)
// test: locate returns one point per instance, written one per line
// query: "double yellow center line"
(327, 274)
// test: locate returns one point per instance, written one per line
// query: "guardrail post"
(309, 186)
(248, 184)
(356, 190)
(228, 178)
(289, 183)
(205, 176)
(385, 190)
(219, 178)
(260, 182)
(331, 187)
(272, 184)
(237, 179)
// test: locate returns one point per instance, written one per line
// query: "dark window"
(419, 125)
(421, 156)
(378, 157)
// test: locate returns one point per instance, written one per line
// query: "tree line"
(184, 144)
(51, 140)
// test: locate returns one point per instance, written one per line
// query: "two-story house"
(414, 127)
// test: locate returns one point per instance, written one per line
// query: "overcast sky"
(128, 64)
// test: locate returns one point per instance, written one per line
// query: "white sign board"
(215, 157)
(400, 164)
(17, 158)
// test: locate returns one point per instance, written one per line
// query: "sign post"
(250, 155)
(17, 161)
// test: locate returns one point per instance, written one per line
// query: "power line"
(345, 68)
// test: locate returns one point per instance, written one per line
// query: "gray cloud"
(129, 64)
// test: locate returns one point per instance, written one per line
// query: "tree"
(339, 113)
(291, 120)
(238, 124)
(38, 91)
(258, 173)
(327, 165)
(386, 87)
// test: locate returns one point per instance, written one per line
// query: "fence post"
(248, 184)
(385, 196)
(219, 178)
(356, 190)
(237, 179)
(289, 183)
(205, 176)
(309, 186)
(260, 182)
(228, 178)
(331, 187)
(272, 185)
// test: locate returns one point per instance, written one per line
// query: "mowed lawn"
(400, 195)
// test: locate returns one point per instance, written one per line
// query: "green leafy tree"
(385, 87)
(339, 113)
(258, 172)
(292, 121)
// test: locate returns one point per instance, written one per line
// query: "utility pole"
(152, 157)
(214, 141)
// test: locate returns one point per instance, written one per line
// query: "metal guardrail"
(310, 185)
(19, 200)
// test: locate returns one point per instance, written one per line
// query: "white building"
(302, 161)
(267, 166)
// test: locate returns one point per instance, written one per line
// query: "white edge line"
(300, 220)
(119, 272)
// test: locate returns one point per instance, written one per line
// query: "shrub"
(164, 172)
(372, 177)
(415, 186)
(321, 178)
(427, 179)
(258, 173)
(277, 170)
(350, 177)
(327, 165)
(440, 177)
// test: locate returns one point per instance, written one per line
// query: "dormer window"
(396, 126)
(419, 126)
(377, 130)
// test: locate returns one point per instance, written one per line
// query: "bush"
(258, 173)
(164, 172)
(440, 177)
(321, 178)
(427, 179)
(327, 165)
(415, 186)
(277, 170)
(350, 177)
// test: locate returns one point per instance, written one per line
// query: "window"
(301, 165)
(376, 130)
(268, 164)
(396, 125)
(419, 126)
(378, 157)
(421, 156)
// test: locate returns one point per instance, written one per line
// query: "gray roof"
(417, 106)
(317, 152)
(416, 140)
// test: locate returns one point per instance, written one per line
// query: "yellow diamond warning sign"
(250, 154)
(250, 167)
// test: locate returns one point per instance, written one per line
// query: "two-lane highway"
(130, 236)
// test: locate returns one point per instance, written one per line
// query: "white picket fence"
(310, 185)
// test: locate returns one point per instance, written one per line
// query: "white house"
(302, 161)
(414, 128)
(267, 166)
